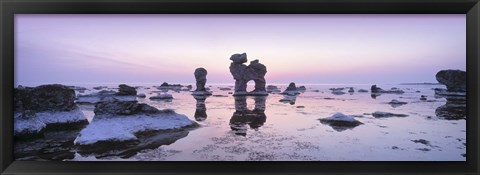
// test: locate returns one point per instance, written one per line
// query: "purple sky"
(76, 49)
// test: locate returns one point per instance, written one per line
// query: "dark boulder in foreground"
(125, 90)
(455, 80)
(53, 97)
(46, 107)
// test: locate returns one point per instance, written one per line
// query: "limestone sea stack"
(201, 79)
(243, 74)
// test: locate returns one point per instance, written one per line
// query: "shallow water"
(272, 130)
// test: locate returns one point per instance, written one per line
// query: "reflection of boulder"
(200, 109)
(243, 74)
(452, 110)
(289, 99)
(46, 107)
(122, 126)
(55, 145)
(243, 116)
(340, 122)
(126, 149)
(456, 107)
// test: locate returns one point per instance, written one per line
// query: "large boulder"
(123, 108)
(125, 90)
(53, 97)
(455, 80)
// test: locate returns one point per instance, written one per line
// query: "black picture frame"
(8, 8)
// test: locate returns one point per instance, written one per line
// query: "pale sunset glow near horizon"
(321, 48)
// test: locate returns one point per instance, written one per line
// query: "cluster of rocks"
(173, 87)
(455, 94)
(46, 107)
(243, 74)
(273, 89)
(125, 93)
(377, 90)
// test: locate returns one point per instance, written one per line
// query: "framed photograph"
(261, 87)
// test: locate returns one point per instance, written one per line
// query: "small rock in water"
(141, 95)
(340, 122)
(351, 90)
(395, 103)
(379, 114)
(423, 97)
(362, 90)
(300, 106)
(291, 90)
(162, 96)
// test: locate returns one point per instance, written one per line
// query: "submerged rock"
(395, 103)
(362, 90)
(340, 122)
(379, 114)
(141, 95)
(243, 74)
(272, 89)
(337, 91)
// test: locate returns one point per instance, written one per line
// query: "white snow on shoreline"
(123, 128)
(38, 122)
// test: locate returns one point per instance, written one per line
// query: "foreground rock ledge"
(121, 121)
(46, 107)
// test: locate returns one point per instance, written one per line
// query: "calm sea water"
(268, 128)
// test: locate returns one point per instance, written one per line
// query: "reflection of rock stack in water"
(201, 79)
(243, 116)
(243, 74)
(455, 81)
(200, 109)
